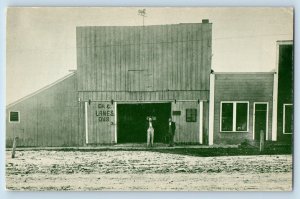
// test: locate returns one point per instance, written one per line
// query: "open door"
(132, 121)
(260, 119)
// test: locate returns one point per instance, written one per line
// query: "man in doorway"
(150, 133)
(172, 128)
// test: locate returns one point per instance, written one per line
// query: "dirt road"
(145, 170)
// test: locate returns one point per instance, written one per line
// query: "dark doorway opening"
(260, 120)
(132, 121)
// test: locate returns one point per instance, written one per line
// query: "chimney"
(205, 21)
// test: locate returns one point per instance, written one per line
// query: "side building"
(48, 117)
(243, 106)
(284, 92)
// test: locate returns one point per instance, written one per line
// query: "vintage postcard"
(149, 99)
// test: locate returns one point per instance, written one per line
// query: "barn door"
(99, 123)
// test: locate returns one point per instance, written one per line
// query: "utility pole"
(143, 14)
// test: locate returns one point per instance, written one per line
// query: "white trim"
(148, 101)
(285, 42)
(201, 122)
(283, 118)
(19, 117)
(116, 123)
(86, 122)
(267, 119)
(234, 115)
(275, 108)
(211, 109)
(244, 73)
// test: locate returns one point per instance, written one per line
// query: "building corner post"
(86, 122)
(115, 124)
(274, 104)
(211, 109)
(201, 122)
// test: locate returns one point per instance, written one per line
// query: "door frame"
(267, 119)
(201, 122)
(134, 102)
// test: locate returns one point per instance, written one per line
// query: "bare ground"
(146, 171)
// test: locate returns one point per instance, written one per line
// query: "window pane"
(288, 125)
(241, 116)
(14, 116)
(227, 116)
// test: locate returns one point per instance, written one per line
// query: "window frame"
(283, 119)
(196, 113)
(234, 115)
(19, 117)
(267, 119)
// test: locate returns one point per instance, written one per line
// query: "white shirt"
(150, 124)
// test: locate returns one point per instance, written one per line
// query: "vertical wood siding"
(151, 58)
(48, 118)
(161, 62)
(100, 131)
(241, 87)
(188, 132)
(285, 87)
(143, 95)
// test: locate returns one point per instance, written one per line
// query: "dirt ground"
(145, 171)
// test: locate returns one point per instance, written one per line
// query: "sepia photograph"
(149, 99)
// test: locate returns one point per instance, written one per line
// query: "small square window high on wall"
(234, 116)
(14, 116)
(191, 115)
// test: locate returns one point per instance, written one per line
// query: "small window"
(14, 116)
(234, 116)
(288, 120)
(191, 115)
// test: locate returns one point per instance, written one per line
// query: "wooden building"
(284, 92)
(158, 70)
(48, 117)
(243, 106)
(126, 74)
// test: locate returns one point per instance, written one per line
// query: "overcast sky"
(41, 42)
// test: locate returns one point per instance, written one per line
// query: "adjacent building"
(284, 96)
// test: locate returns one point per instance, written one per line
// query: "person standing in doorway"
(172, 128)
(150, 133)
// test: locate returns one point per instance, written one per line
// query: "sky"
(41, 42)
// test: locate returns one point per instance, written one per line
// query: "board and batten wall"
(48, 117)
(156, 62)
(250, 87)
(100, 121)
(143, 63)
(189, 132)
(285, 86)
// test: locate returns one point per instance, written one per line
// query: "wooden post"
(262, 141)
(14, 147)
